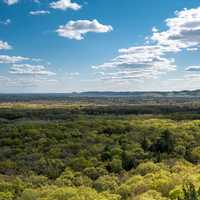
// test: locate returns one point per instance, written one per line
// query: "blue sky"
(87, 45)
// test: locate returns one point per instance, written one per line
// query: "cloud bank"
(153, 58)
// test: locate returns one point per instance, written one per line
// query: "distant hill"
(195, 94)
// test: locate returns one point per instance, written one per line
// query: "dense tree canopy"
(68, 154)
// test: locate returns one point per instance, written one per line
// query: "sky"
(49, 46)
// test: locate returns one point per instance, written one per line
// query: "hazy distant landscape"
(133, 96)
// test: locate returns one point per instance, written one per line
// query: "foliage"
(94, 152)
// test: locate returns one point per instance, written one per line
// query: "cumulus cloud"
(77, 29)
(11, 2)
(154, 29)
(39, 12)
(64, 5)
(183, 30)
(4, 45)
(5, 59)
(27, 69)
(152, 59)
(138, 62)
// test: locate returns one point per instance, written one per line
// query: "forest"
(99, 149)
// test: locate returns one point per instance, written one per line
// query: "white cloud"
(5, 59)
(128, 74)
(154, 29)
(183, 30)
(5, 22)
(11, 2)
(193, 69)
(77, 29)
(139, 62)
(27, 81)
(192, 49)
(4, 45)
(27, 69)
(65, 4)
(152, 59)
(39, 12)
